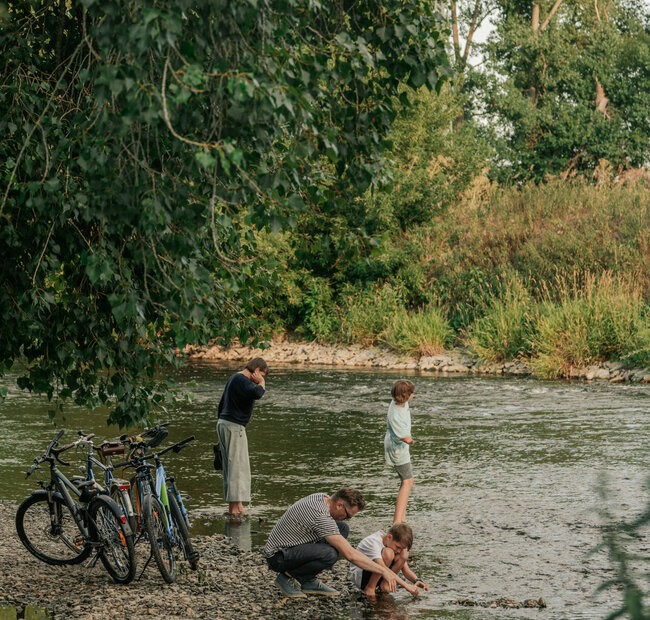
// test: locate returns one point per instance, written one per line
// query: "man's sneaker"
(289, 586)
(316, 586)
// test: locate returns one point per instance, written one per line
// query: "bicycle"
(119, 489)
(162, 516)
(58, 530)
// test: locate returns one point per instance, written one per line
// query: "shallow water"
(507, 470)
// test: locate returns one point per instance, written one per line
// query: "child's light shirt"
(398, 425)
(371, 546)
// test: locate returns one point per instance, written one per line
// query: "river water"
(507, 472)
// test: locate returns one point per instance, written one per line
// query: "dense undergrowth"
(558, 274)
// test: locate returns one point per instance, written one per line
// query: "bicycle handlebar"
(135, 461)
(177, 447)
(46, 455)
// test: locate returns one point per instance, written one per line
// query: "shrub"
(605, 319)
(321, 320)
(505, 331)
(425, 332)
(365, 314)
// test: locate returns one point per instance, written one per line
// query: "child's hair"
(401, 390)
(402, 534)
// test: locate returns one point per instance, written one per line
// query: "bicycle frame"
(110, 479)
(60, 484)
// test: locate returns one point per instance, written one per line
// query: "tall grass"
(505, 331)
(424, 332)
(604, 319)
(366, 314)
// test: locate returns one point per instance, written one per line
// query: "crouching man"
(308, 538)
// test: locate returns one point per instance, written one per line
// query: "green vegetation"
(189, 172)
(425, 332)
(621, 538)
(145, 146)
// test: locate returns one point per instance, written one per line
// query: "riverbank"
(456, 362)
(229, 584)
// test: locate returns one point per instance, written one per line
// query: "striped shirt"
(307, 521)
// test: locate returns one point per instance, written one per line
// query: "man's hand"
(258, 377)
(421, 584)
(390, 579)
(413, 590)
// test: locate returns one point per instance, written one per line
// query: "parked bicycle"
(59, 530)
(119, 489)
(161, 514)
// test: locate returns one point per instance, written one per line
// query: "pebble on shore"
(229, 584)
(456, 362)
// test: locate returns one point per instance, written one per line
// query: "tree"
(571, 86)
(144, 146)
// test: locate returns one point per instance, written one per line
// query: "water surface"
(505, 501)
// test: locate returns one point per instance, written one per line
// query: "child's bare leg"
(399, 561)
(402, 500)
(371, 586)
(388, 556)
(396, 565)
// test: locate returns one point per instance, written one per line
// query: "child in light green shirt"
(397, 441)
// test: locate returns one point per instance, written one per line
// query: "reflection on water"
(504, 503)
(244, 533)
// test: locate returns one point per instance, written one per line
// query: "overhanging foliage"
(142, 145)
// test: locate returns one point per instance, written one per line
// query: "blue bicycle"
(160, 513)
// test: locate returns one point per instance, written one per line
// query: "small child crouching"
(391, 550)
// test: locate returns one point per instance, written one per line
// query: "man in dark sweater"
(235, 411)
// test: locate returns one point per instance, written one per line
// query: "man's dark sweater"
(239, 396)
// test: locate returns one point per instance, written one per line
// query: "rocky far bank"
(456, 362)
(229, 584)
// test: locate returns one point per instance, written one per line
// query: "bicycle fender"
(42, 493)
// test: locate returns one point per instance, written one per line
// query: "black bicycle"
(59, 530)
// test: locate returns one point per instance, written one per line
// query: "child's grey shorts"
(404, 471)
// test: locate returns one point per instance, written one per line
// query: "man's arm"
(358, 559)
(409, 440)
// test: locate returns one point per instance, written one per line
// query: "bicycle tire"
(161, 546)
(59, 546)
(181, 534)
(119, 497)
(117, 551)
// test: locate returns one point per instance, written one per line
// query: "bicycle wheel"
(49, 531)
(122, 498)
(161, 546)
(182, 536)
(117, 551)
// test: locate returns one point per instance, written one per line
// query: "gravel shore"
(230, 583)
(455, 362)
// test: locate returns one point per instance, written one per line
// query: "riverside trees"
(143, 145)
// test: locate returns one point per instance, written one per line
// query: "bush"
(366, 314)
(425, 332)
(505, 331)
(321, 320)
(605, 319)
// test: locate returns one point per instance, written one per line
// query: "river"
(507, 472)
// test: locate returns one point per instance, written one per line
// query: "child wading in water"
(397, 441)
(391, 550)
